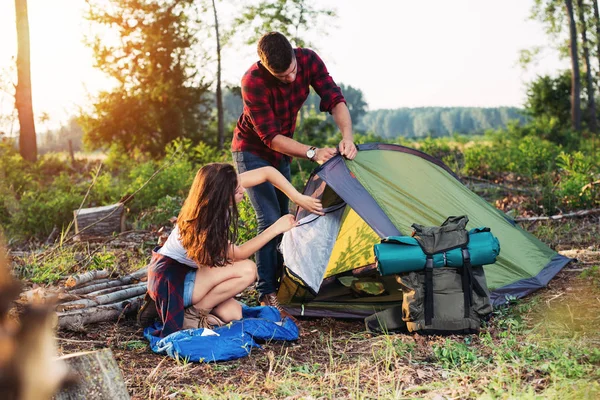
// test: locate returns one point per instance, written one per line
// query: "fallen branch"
(135, 277)
(140, 273)
(106, 298)
(113, 289)
(75, 320)
(575, 214)
(78, 341)
(78, 280)
(93, 282)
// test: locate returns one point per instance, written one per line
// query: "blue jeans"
(188, 287)
(270, 204)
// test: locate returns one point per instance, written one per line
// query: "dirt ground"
(151, 376)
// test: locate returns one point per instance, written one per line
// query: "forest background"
(163, 113)
(168, 112)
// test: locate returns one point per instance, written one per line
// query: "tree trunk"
(586, 58)
(221, 123)
(575, 80)
(597, 23)
(99, 377)
(23, 102)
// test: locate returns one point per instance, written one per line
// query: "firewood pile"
(93, 296)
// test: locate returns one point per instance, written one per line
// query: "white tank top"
(174, 249)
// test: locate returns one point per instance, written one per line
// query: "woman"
(194, 277)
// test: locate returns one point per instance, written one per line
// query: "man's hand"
(347, 149)
(324, 154)
(309, 204)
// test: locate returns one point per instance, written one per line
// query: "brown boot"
(270, 299)
(194, 318)
(148, 312)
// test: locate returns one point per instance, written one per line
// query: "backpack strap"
(475, 285)
(469, 282)
(467, 279)
(428, 290)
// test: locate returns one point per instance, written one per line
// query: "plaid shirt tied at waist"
(166, 278)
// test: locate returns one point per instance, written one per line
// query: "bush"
(43, 208)
(441, 149)
(174, 179)
(247, 224)
(578, 185)
(527, 157)
(484, 161)
(167, 207)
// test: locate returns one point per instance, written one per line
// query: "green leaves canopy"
(157, 96)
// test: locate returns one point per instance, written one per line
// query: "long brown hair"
(208, 219)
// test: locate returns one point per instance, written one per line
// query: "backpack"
(440, 272)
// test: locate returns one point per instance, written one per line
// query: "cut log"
(112, 290)
(76, 319)
(140, 273)
(97, 287)
(41, 295)
(78, 280)
(94, 282)
(109, 298)
(99, 221)
(135, 277)
(69, 307)
(98, 377)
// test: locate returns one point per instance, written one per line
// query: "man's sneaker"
(270, 299)
(147, 313)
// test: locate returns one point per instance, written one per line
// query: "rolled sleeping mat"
(398, 254)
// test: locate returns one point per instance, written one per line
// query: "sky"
(400, 53)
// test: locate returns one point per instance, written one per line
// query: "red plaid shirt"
(271, 106)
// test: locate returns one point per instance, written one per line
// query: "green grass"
(509, 359)
(53, 265)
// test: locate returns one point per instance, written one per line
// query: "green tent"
(381, 193)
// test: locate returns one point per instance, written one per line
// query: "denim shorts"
(188, 288)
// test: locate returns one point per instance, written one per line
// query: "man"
(273, 91)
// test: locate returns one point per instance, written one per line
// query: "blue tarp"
(229, 342)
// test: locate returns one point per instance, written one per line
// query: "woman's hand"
(310, 204)
(285, 223)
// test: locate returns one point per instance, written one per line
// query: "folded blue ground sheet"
(229, 342)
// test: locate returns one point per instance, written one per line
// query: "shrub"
(174, 180)
(577, 187)
(43, 208)
(166, 208)
(247, 225)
